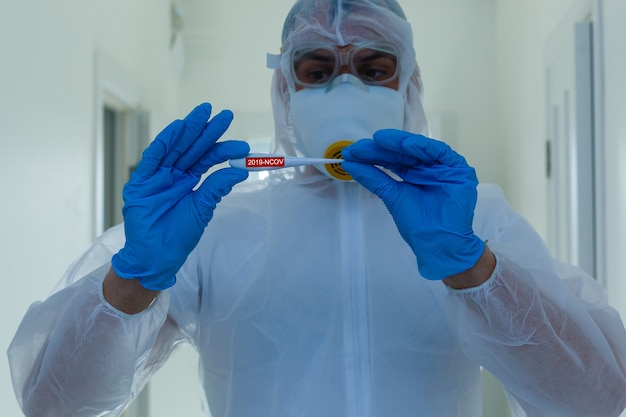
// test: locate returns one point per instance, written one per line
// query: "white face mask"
(326, 120)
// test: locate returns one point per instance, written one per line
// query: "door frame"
(114, 88)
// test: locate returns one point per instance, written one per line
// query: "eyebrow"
(376, 55)
(316, 56)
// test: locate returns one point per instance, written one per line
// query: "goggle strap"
(272, 61)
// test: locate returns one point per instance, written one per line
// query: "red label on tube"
(265, 161)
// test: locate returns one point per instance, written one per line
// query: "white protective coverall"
(302, 299)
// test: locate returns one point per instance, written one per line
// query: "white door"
(570, 164)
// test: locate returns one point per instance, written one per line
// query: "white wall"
(455, 46)
(522, 32)
(47, 133)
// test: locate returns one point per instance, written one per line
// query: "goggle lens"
(317, 65)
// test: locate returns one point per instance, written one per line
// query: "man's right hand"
(164, 217)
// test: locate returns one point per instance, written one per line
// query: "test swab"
(267, 161)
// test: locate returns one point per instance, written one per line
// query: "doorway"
(125, 134)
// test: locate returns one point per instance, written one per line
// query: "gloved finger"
(438, 175)
(427, 150)
(367, 151)
(192, 126)
(198, 145)
(218, 153)
(371, 178)
(213, 188)
(151, 157)
(164, 148)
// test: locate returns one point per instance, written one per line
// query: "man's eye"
(311, 72)
(317, 75)
(376, 71)
(374, 74)
(375, 66)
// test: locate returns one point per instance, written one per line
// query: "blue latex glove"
(433, 204)
(164, 217)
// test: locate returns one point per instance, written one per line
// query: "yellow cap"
(334, 151)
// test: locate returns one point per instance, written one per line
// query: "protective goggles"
(316, 65)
